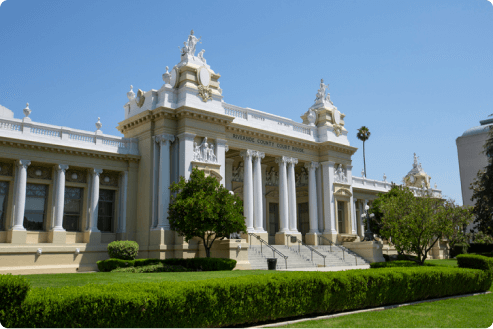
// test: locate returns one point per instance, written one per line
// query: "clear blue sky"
(417, 73)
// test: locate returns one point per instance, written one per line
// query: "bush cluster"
(397, 263)
(475, 261)
(126, 250)
(194, 264)
(240, 300)
(13, 291)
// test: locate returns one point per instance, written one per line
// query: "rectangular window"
(4, 191)
(35, 211)
(341, 217)
(72, 209)
(106, 210)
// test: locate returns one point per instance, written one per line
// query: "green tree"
(414, 224)
(363, 135)
(203, 208)
(482, 195)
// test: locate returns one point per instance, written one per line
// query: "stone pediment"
(343, 191)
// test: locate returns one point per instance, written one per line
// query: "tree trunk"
(364, 159)
(207, 252)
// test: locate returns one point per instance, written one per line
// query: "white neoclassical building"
(67, 193)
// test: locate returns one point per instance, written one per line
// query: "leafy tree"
(414, 224)
(203, 208)
(363, 135)
(482, 195)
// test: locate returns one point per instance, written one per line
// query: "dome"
(477, 130)
(6, 113)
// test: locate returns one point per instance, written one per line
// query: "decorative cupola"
(326, 117)
(190, 83)
(417, 176)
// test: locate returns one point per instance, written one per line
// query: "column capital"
(124, 173)
(23, 163)
(293, 161)
(96, 171)
(311, 165)
(163, 138)
(61, 167)
(245, 154)
(257, 154)
(282, 160)
(186, 136)
(220, 141)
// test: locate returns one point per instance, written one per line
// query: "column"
(283, 195)
(122, 226)
(360, 220)
(329, 202)
(312, 196)
(349, 171)
(292, 196)
(155, 180)
(320, 204)
(164, 180)
(221, 149)
(257, 192)
(229, 174)
(20, 202)
(248, 189)
(60, 197)
(186, 154)
(94, 200)
(264, 201)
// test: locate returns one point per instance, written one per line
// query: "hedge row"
(475, 261)
(240, 300)
(397, 263)
(153, 268)
(194, 264)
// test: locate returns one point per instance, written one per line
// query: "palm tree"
(363, 135)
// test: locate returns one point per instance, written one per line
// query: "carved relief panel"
(39, 172)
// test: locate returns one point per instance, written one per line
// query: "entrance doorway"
(303, 220)
(341, 217)
(273, 221)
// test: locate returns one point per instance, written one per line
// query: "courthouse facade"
(67, 193)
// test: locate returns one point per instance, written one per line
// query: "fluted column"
(248, 189)
(257, 192)
(94, 200)
(320, 204)
(164, 141)
(329, 201)
(283, 195)
(20, 202)
(292, 196)
(60, 197)
(312, 196)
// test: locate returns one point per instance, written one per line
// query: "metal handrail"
(274, 250)
(301, 243)
(339, 245)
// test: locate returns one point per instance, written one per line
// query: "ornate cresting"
(205, 93)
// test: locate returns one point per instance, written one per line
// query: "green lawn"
(443, 262)
(80, 279)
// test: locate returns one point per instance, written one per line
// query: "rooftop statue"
(189, 45)
(321, 92)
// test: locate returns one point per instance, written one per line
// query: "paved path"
(329, 268)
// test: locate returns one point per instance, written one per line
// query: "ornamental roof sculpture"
(417, 177)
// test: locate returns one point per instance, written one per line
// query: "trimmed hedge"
(154, 268)
(240, 300)
(126, 250)
(475, 261)
(397, 263)
(13, 291)
(194, 264)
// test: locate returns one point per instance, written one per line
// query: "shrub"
(126, 250)
(398, 263)
(13, 291)
(154, 268)
(476, 261)
(196, 264)
(240, 300)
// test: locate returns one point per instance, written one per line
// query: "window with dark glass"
(35, 211)
(106, 210)
(4, 191)
(72, 208)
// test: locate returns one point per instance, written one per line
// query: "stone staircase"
(339, 256)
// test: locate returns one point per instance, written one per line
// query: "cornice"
(331, 146)
(38, 146)
(267, 135)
